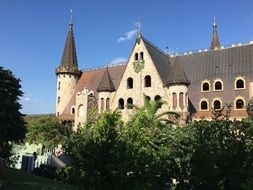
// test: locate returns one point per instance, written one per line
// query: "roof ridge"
(154, 46)
(105, 66)
(226, 46)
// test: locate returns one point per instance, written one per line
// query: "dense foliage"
(12, 126)
(149, 152)
(46, 130)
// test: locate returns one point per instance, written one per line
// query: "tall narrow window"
(107, 103)
(204, 105)
(217, 104)
(59, 85)
(158, 98)
(121, 103)
(129, 103)
(181, 99)
(136, 56)
(239, 84)
(73, 110)
(205, 87)
(141, 56)
(58, 100)
(129, 83)
(174, 95)
(147, 81)
(239, 104)
(102, 103)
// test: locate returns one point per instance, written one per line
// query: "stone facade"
(190, 84)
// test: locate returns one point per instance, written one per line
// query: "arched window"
(72, 110)
(147, 81)
(239, 84)
(205, 87)
(218, 85)
(129, 83)
(102, 103)
(58, 99)
(129, 103)
(157, 98)
(59, 85)
(80, 112)
(239, 104)
(107, 103)
(121, 103)
(141, 56)
(136, 56)
(174, 100)
(181, 99)
(204, 105)
(217, 105)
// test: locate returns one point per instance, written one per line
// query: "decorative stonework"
(138, 65)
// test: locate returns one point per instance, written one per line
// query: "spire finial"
(139, 27)
(214, 22)
(71, 18)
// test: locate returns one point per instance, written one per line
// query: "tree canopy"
(46, 130)
(12, 126)
(148, 153)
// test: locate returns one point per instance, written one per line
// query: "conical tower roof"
(215, 44)
(69, 63)
(177, 75)
(106, 84)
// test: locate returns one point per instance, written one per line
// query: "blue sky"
(33, 34)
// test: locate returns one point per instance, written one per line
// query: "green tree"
(222, 155)
(96, 151)
(48, 131)
(12, 126)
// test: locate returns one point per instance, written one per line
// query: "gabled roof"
(90, 80)
(177, 75)
(159, 58)
(215, 44)
(69, 59)
(106, 84)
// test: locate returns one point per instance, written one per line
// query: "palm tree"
(147, 116)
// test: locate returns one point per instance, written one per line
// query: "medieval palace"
(191, 83)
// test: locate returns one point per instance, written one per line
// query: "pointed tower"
(106, 84)
(215, 44)
(105, 91)
(67, 72)
(177, 84)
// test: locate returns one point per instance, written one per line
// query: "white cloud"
(27, 99)
(128, 35)
(118, 60)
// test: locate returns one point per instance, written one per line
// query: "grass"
(16, 179)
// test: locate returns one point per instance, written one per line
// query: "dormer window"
(239, 83)
(218, 85)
